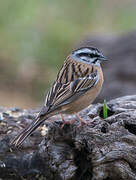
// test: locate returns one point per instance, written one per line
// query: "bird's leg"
(82, 121)
(66, 122)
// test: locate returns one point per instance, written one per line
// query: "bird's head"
(88, 55)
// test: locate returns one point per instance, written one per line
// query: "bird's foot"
(82, 121)
(66, 122)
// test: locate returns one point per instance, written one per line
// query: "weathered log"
(105, 150)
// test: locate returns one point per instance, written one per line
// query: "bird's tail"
(28, 131)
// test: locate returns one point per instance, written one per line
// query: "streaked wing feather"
(61, 94)
(82, 83)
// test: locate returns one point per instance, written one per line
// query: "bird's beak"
(103, 58)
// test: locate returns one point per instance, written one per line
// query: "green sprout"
(105, 110)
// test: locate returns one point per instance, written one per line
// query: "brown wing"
(65, 90)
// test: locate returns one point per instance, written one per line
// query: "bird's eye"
(92, 55)
(96, 55)
(88, 54)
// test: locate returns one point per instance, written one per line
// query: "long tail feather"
(28, 131)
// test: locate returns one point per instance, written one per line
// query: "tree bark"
(105, 150)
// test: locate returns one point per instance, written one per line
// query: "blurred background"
(36, 36)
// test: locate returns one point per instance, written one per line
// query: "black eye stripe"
(83, 54)
(88, 55)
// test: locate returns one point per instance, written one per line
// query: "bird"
(77, 84)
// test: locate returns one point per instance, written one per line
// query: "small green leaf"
(105, 110)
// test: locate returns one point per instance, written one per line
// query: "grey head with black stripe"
(88, 55)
